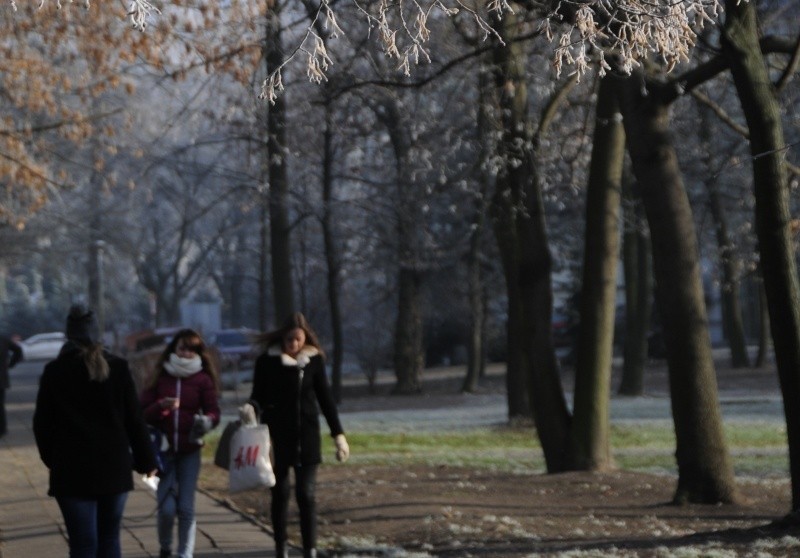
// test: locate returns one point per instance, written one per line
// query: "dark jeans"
(305, 478)
(93, 525)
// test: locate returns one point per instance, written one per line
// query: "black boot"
(309, 553)
(280, 549)
(164, 554)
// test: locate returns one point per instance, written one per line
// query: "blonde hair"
(95, 362)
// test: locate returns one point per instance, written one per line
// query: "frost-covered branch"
(632, 30)
(584, 32)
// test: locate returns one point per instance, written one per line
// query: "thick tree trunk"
(776, 249)
(282, 282)
(408, 356)
(638, 293)
(522, 239)
(590, 447)
(705, 473)
(409, 353)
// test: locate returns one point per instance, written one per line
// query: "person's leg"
(80, 519)
(305, 483)
(3, 422)
(279, 508)
(167, 505)
(188, 469)
(109, 519)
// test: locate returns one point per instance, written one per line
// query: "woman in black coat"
(90, 434)
(289, 389)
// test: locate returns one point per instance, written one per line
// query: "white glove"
(342, 449)
(247, 414)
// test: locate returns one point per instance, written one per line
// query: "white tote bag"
(250, 466)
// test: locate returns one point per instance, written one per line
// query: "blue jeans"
(176, 490)
(93, 525)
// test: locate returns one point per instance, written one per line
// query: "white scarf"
(183, 367)
(302, 358)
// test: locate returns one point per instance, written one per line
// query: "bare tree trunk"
(590, 445)
(729, 263)
(638, 292)
(763, 330)
(776, 248)
(96, 286)
(263, 253)
(705, 473)
(522, 239)
(409, 354)
(476, 361)
(236, 281)
(282, 282)
(475, 351)
(331, 253)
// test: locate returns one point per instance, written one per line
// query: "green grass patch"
(757, 449)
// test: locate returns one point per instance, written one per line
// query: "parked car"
(42, 346)
(235, 348)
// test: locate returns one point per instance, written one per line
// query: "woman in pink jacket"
(181, 402)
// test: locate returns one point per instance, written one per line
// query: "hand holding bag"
(250, 466)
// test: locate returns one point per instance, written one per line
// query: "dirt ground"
(454, 511)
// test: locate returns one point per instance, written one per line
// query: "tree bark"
(776, 248)
(331, 253)
(733, 325)
(705, 473)
(590, 445)
(518, 214)
(476, 361)
(638, 292)
(763, 322)
(409, 354)
(282, 282)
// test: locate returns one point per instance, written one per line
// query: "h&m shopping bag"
(250, 466)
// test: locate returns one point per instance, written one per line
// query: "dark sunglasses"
(186, 347)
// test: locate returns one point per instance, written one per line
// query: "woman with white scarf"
(290, 388)
(181, 402)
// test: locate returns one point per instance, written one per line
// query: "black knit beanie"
(80, 324)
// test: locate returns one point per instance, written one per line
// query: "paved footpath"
(30, 521)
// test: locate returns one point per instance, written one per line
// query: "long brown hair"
(295, 321)
(209, 364)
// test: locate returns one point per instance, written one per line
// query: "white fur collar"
(303, 357)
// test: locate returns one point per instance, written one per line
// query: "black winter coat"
(90, 434)
(291, 410)
(10, 354)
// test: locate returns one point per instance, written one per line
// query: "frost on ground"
(463, 510)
